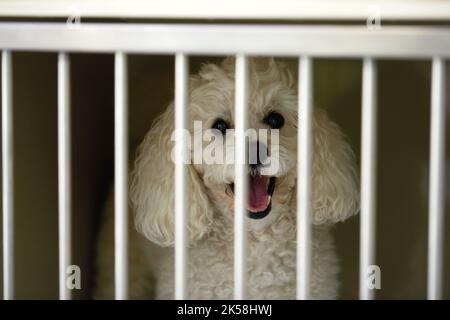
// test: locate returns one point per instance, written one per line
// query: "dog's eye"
(220, 125)
(274, 120)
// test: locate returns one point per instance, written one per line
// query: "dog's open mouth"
(260, 191)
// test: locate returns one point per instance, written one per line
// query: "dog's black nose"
(254, 165)
(257, 154)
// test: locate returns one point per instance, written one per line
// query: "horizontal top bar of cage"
(419, 10)
(215, 39)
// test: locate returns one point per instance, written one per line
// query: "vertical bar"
(64, 169)
(181, 118)
(305, 101)
(368, 176)
(437, 176)
(121, 176)
(8, 180)
(240, 183)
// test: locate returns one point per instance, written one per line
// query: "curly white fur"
(272, 240)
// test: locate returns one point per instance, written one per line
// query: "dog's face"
(272, 172)
(272, 137)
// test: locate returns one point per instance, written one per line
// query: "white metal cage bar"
(232, 9)
(181, 122)
(64, 173)
(368, 176)
(240, 182)
(305, 154)
(403, 42)
(437, 183)
(121, 176)
(7, 178)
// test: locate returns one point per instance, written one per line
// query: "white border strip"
(181, 116)
(8, 176)
(214, 39)
(231, 9)
(305, 152)
(64, 173)
(368, 175)
(437, 182)
(240, 182)
(121, 176)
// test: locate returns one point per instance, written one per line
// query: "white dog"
(271, 260)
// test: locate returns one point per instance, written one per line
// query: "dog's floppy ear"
(335, 191)
(152, 188)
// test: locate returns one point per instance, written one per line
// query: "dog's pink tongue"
(258, 198)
